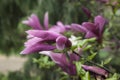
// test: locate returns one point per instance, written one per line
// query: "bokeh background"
(13, 36)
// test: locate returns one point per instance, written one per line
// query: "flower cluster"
(46, 39)
(43, 38)
(92, 29)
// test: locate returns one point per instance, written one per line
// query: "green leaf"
(44, 62)
(107, 60)
(80, 70)
(91, 40)
(114, 77)
(86, 76)
(46, 59)
(92, 56)
(85, 42)
(87, 47)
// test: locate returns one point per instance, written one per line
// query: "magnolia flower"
(34, 22)
(43, 40)
(96, 70)
(92, 29)
(64, 62)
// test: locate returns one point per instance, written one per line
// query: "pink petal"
(78, 28)
(60, 42)
(46, 35)
(32, 41)
(89, 26)
(46, 20)
(37, 47)
(68, 27)
(90, 35)
(33, 21)
(74, 57)
(100, 21)
(61, 60)
(29, 36)
(96, 70)
(59, 28)
(58, 58)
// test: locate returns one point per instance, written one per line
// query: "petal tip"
(22, 53)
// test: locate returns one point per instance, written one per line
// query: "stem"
(95, 63)
(100, 66)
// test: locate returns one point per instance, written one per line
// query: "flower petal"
(29, 36)
(60, 42)
(59, 28)
(33, 21)
(61, 60)
(58, 58)
(46, 35)
(100, 21)
(89, 26)
(74, 57)
(96, 70)
(68, 27)
(78, 28)
(32, 41)
(46, 20)
(37, 47)
(90, 35)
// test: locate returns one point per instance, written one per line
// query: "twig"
(95, 63)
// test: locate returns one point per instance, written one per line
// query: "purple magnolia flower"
(43, 40)
(34, 22)
(96, 70)
(66, 64)
(92, 29)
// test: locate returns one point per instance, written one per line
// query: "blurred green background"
(13, 36)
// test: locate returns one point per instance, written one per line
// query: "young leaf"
(86, 76)
(114, 77)
(92, 56)
(107, 60)
(80, 70)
